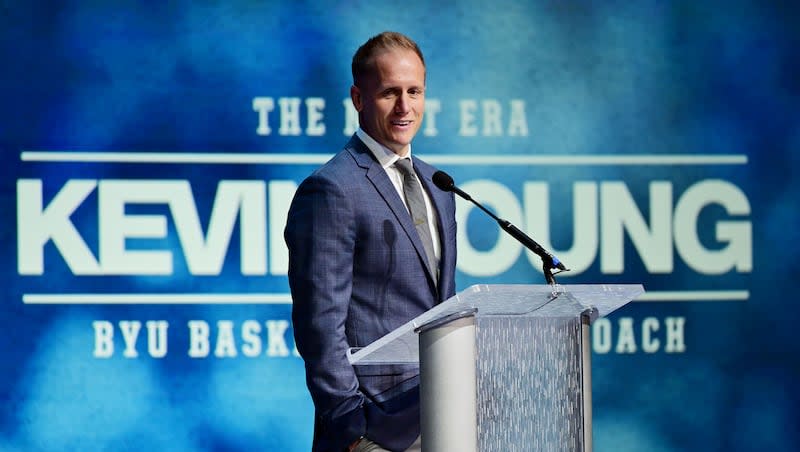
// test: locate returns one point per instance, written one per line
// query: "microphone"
(549, 262)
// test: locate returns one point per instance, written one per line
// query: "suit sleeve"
(320, 235)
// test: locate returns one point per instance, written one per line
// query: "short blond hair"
(364, 58)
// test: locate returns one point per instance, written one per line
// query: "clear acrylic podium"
(504, 367)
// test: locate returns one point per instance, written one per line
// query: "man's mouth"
(401, 123)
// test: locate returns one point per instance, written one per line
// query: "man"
(359, 265)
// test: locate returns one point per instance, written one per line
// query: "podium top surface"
(593, 300)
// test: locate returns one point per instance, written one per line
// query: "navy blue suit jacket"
(357, 271)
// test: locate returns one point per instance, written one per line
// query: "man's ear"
(355, 96)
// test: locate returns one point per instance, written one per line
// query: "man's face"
(391, 102)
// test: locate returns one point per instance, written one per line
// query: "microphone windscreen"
(443, 181)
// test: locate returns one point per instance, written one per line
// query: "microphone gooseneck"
(549, 262)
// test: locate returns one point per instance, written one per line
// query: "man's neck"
(384, 155)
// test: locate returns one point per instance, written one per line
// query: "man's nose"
(401, 106)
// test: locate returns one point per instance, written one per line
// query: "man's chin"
(401, 141)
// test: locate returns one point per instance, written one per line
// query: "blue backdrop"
(150, 152)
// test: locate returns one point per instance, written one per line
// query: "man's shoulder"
(354, 154)
(342, 163)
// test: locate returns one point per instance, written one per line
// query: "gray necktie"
(412, 190)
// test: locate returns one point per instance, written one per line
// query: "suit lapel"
(439, 199)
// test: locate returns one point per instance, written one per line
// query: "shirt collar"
(384, 155)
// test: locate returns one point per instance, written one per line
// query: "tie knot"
(404, 165)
